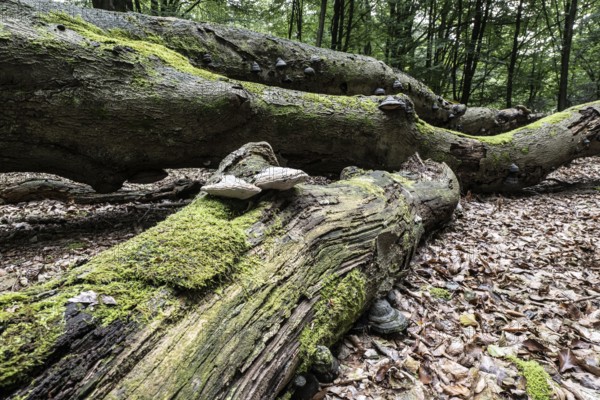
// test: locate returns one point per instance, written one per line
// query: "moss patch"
(551, 119)
(119, 37)
(189, 250)
(76, 245)
(342, 300)
(4, 33)
(538, 380)
(440, 293)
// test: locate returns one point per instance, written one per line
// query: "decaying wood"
(55, 189)
(241, 336)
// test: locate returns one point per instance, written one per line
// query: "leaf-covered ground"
(508, 277)
(509, 280)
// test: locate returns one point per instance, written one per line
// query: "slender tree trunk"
(513, 56)
(300, 19)
(336, 21)
(340, 35)
(391, 39)
(321, 28)
(430, 38)
(565, 53)
(474, 48)
(349, 25)
(292, 19)
(455, 86)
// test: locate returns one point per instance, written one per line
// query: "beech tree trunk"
(226, 298)
(100, 106)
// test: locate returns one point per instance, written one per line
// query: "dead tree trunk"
(99, 107)
(226, 298)
(232, 52)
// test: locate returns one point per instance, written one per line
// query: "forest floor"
(509, 276)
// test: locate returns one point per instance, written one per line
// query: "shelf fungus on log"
(279, 178)
(232, 187)
(385, 319)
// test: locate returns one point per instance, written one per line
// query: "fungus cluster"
(276, 178)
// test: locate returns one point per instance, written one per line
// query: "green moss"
(424, 128)
(122, 38)
(342, 300)
(440, 293)
(318, 98)
(189, 250)
(4, 33)
(33, 323)
(201, 245)
(551, 119)
(525, 150)
(364, 182)
(507, 137)
(76, 245)
(538, 380)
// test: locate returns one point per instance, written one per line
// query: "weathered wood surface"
(224, 299)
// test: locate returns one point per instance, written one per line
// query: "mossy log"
(226, 298)
(100, 107)
(234, 52)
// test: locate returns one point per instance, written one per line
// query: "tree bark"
(565, 53)
(513, 56)
(321, 28)
(113, 110)
(225, 299)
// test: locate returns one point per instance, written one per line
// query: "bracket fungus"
(379, 92)
(385, 319)
(255, 68)
(279, 178)
(392, 103)
(325, 367)
(309, 71)
(280, 63)
(232, 187)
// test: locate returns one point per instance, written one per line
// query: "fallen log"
(226, 298)
(99, 107)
